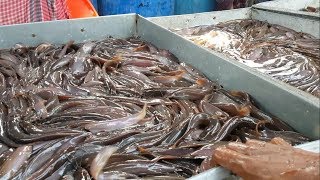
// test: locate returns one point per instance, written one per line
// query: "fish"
(117, 123)
(15, 161)
(122, 108)
(100, 161)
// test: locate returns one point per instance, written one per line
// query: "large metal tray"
(297, 108)
(272, 96)
(292, 7)
(296, 115)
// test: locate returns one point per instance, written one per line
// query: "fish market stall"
(121, 97)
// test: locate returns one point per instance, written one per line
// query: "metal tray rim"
(288, 11)
(281, 6)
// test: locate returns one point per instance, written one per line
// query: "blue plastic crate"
(193, 6)
(147, 8)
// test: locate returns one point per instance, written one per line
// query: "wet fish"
(122, 108)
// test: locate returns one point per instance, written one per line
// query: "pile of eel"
(117, 109)
(290, 56)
